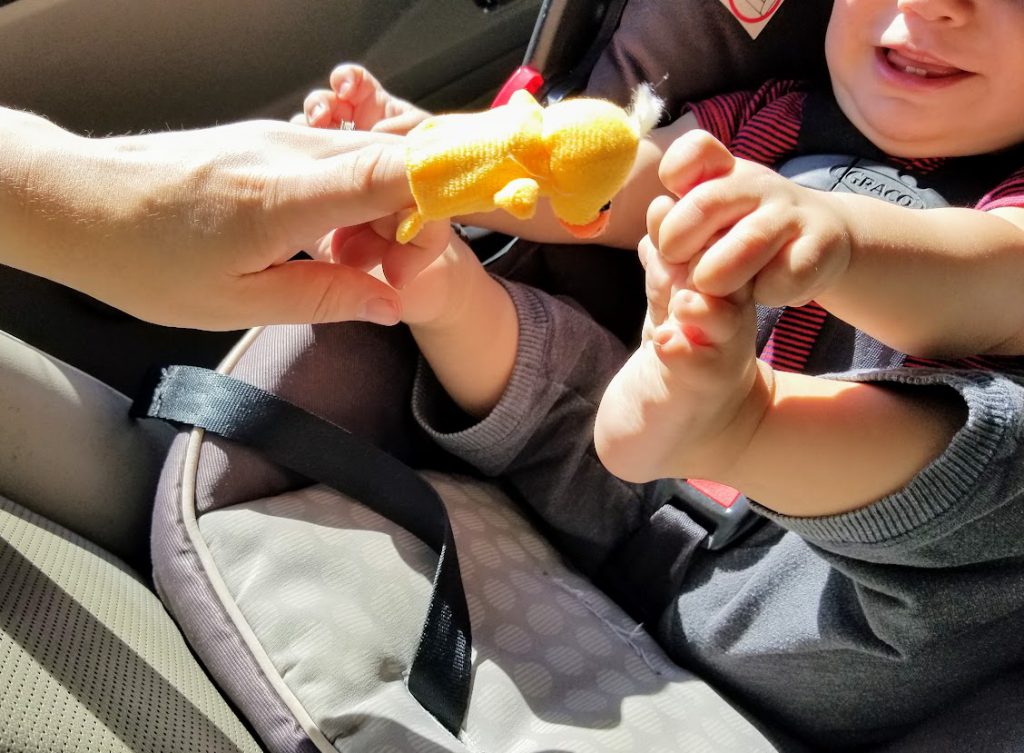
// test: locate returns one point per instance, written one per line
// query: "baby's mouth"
(922, 66)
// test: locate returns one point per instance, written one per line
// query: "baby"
(894, 545)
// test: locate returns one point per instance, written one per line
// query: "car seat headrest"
(690, 49)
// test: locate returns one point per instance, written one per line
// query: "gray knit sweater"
(843, 630)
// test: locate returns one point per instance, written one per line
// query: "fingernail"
(343, 88)
(379, 311)
(318, 111)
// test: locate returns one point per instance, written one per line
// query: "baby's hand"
(427, 271)
(357, 100)
(737, 221)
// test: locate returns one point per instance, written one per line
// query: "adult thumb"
(360, 183)
(309, 292)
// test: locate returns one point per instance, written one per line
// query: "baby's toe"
(706, 320)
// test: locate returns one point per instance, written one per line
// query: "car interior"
(96, 655)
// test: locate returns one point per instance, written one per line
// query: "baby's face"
(930, 78)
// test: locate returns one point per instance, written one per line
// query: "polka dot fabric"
(336, 596)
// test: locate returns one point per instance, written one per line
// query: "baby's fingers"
(403, 262)
(693, 158)
(800, 272)
(656, 214)
(320, 108)
(700, 217)
(353, 83)
(360, 96)
(741, 254)
(360, 247)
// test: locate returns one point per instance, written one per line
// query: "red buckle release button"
(720, 493)
(523, 77)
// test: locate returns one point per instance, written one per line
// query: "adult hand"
(197, 228)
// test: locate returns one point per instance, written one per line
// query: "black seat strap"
(325, 452)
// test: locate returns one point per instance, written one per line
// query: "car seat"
(90, 659)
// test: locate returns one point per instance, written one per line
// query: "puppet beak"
(591, 229)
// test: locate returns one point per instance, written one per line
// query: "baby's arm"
(471, 345)
(693, 402)
(827, 446)
(934, 282)
(462, 320)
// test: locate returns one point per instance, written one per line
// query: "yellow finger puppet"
(577, 153)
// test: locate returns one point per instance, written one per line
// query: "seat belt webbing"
(439, 677)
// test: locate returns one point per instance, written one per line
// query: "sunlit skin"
(930, 78)
(199, 228)
(722, 233)
(940, 282)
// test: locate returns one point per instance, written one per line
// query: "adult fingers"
(693, 158)
(311, 291)
(365, 181)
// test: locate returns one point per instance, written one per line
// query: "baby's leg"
(689, 399)
(357, 100)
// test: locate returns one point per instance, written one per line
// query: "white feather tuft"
(646, 108)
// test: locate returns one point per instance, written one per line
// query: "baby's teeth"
(915, 71)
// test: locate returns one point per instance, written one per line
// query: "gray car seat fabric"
(89, 659)
(305, 603)
(69, 451)
(690, 50)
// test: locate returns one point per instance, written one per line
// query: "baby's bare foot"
(689, 399)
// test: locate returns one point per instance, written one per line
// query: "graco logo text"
(868, 182)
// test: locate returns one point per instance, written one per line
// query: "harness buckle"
(524, 77)
(722, 511)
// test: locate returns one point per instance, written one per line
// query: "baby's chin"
(900, 132)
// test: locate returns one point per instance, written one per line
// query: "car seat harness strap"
(439, 677)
